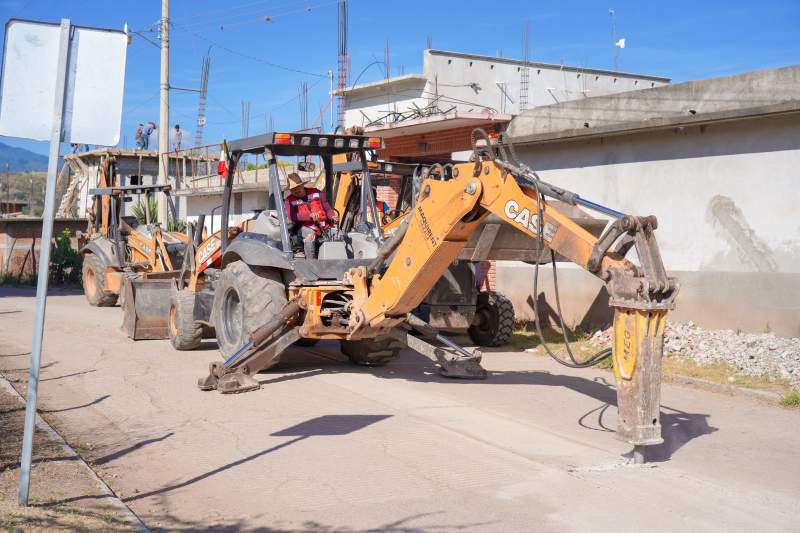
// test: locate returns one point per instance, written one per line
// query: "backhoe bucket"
(146, 306)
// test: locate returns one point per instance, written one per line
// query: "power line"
(257, 16)
(142, 104)
(266, 113)
(250, 57)
(235, 7)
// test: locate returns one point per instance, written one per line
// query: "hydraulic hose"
(533, 179)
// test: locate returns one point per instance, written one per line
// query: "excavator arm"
(448, 212)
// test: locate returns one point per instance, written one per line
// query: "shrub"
(140, 211)
(791, 400)
(65, 261)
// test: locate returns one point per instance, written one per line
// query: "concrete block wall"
(20, 241)
(726, 196)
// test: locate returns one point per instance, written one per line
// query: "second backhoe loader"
(121, 247)
(267, 299)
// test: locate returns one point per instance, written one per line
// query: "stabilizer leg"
(453, 362)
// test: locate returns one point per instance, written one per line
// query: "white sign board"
(95, 83)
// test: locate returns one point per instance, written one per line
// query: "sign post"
(44, 263)
(63, 83)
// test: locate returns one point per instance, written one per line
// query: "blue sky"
(679, 39)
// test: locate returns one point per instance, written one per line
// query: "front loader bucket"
(146, 307)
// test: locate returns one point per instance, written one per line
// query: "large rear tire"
(245, 298)
(184, 332)
(93, 274)
(375, 352)
(494, 320)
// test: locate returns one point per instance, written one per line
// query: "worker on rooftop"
(140, 136)
(178, 139)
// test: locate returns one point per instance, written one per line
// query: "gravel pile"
(752, 354)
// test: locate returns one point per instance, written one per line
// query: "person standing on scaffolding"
(178, 139)
(151, 127)
(140, 137)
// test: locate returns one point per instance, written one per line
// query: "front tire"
(184, 332)
(93, 275)
(246, 297)
(494, 320)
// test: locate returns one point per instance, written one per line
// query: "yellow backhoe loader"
(362, 291)
(121, 247)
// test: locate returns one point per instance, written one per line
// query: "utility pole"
(163, 120)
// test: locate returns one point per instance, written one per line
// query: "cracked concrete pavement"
(326, 446)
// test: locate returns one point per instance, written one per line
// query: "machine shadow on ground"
(30, 292)
(678, 427)
(321, 426)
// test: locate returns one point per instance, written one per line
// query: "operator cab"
(123, 229)
(270, 238)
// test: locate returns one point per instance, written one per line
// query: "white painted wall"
(250, 201)
(726, 197)
(548, 84)
(473, 83)
(374, 102)
(694, 180)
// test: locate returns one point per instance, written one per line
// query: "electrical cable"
(259, 17)
(248, 56)
(227, 10)
(265, 113)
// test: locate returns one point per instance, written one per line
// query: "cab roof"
(300, 143)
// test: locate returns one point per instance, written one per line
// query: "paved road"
(325, 446)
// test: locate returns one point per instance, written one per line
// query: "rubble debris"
(752, 354)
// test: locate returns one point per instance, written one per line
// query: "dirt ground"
(326, 446)
(64, 495)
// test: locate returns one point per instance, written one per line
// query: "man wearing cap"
(309, 208)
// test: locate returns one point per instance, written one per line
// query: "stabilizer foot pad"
(227, 382)
(463, 369)
(237, 382)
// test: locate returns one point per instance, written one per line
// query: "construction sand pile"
(752, 354)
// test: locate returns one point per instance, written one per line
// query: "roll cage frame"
(325, 146)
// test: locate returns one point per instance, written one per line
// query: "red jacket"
(299, 209)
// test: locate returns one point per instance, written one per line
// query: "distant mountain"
(21, 160)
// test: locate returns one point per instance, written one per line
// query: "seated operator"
(310, 211)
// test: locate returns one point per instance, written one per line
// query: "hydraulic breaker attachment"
(637, 351)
